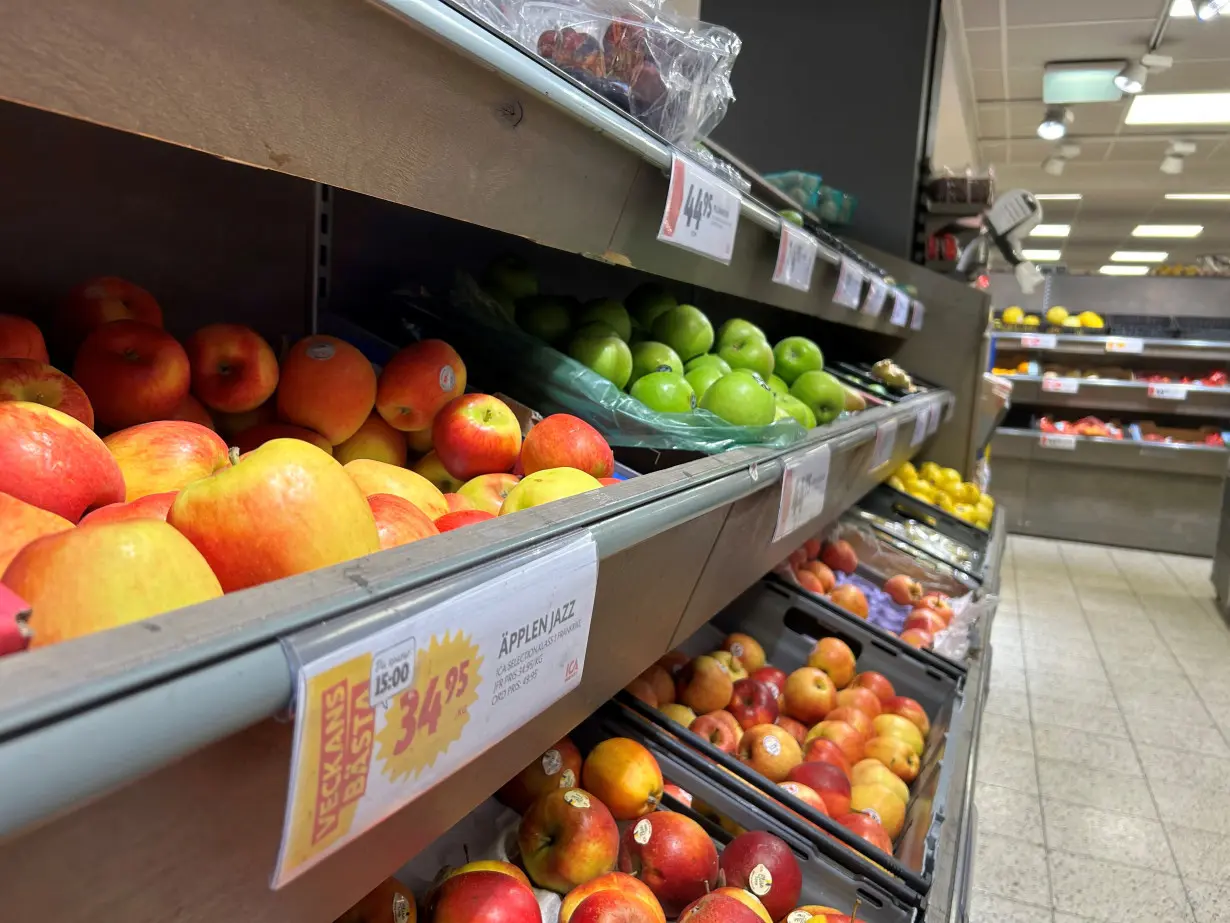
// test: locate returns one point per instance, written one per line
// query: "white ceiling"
(1002, 46)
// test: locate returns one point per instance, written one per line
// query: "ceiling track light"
(1132, 78)
(1054, 124)
(1172, 163)
(1211, 9)
(1054, 165)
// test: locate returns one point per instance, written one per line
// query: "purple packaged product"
(881, 610)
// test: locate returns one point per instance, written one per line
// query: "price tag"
(916, 318)
(886, 441)
(849, 291)
(901, 309)
(1057, 441)
(1061, 385)
(796, 257)
(382, 719)
(1125, 345)
(1168, 392)
(702, 212)
(803, 486)
(1039, 340)
(921, 419)
(877, 295)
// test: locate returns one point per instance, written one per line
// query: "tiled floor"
(1104, 768)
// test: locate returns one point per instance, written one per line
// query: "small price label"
(796, 257)
(877, 295)
(1039, 341)
(381, 719)
(1057, 441)
(804, 483)
(901, 309)
(1061, 385)
(922, 419)
(916, 316)
(702, 212)
(886, 441)
(1166, 392)
(1125, 345)
(849, 293)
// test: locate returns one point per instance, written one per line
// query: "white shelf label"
(796, 257)
(804, 483)
(849, 293)
(381, 720)
(702, 212)
(1057, 441)
(901, 309)
(921, 420)
(886, 441)
(1039, 340)
(877, 295)
(1061, 385)
(1125, 345)
(1168, 392)
(916, 316)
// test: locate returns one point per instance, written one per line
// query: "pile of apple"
(165, 512)
(839, 740)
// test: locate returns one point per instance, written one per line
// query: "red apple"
(925, 619)
(375, 440)
(151, 506)
(860, 698)
(327, 386)
(100, 301)
(54, 461)
(810, 695)
(476, 434)
(850, 598)
(684, 798)
(752, 703)
(230, 425)
(132, 372)
(398, 521)
(613, 907)
(704, 685)
(869, 829)
(877, 683)
(827, 781)
(616, 883)
(450, 521)
(488, 491)
(748, 899)
(21, 339)
(806, 794)
(190, 410)
(485, 897)
(256, 436)
(641, 688)
(822, 572)
(772, 677)
(559, 767)
(903, 590)
(839, 556)
(38, 383)
(671, 854)
(419, 441)
(565, 441)
(797, 558)
(822, 750)
(917, 637)
(610, 482)
(663, 683)
(624, 775)
(459, 504)
(812, 548)
(763, 864)
(796, 729)
(909, 708)
(568, 837)
(810, 582)
(849, 740)
(859, 720)
(233, 369)
(939, 603)
(23, 523)
(417, 382)
(717, 731)
(719, 908)
(165, 455)
(834, 657)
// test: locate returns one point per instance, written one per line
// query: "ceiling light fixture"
(1183, 9)
(1193, 196)
(1211, 9)
(1062, 196)
(1042, 256)
(1124, 270)
(1051, 230)
(1180, 109)
(1054, 165)
(1168, 230)
(1139, 256)
(1172, 163)
(1132, 78)
(1054, 124)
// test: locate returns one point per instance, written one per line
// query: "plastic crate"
(1145, 326)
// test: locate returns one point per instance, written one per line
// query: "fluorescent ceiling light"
(1180, 109)
(1168, 230)
(1183, 9)
(1193, 196)
(1211, 9)
(1065, 196)
(1139, 256)
(1051, 230)
(1042, 256)
(1124, 270)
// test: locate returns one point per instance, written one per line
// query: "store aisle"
(1104, 769)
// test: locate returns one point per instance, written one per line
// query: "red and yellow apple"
(233, 369)
(796, 729)
(641, 688)
(190, 410)
(732, 663)
(488, 491)
(882, 803)
(374, 477)
(417, 382)
(822, 572)
(805, 794)
(827, 781)
(747, 649)
(376, 440)
(839, 556)
(911, 709)
(485, 897)
(663, 683)
(848, 740)
(151, 506)
(770, 751)
(877, 683)
(917, 637)
(398, 521)
(133, 373)
(21, 339)
(897, 755)
(613, 907)
(165, 455)
(834, 657)
(568, 837)
(327, 386)
(766, 866)
(850, 598)
(99, 301)
(624, 775)
(477, 434)
(617, 882)
(565, 441)
(455, 520)
(680, 714)
(902, 729)
(747, 899)
(774, 678)
(545, 487)
(558, 767)
(860, 698)
(230, 425)
(859, 720)
(704, 685)
(903, 590)
(489, 865)
(672, 855)
(821, 750)
(23, 523)
(716, 729)
(430, 467)
(810, 695)
(37, 383)
(870, 772)
(718, 908)
(870, 829)
(459, 504)
(752, 703)
(256, 436)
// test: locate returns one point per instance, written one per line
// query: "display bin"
(922, 539)
(892, 503)
(787, 624)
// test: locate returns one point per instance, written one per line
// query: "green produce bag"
(552, 382)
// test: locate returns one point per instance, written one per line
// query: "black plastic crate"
(1145, 326)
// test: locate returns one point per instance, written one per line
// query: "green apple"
(795, 355)
(665, 392)
(647, 301)
(795, 408)
(821, 392)
(792, 216)
(610, 312)
(707, 359)
(651, 356)
(737, 329)
(701, 378)
(545, 317)
(511, 274)
(776, 385)
(750, 352)
(741, 398)
(598, 347)
(685, 329)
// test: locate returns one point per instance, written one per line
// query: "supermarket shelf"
(198, 686)
(450, 118)
(995, 394)
(1129, 396)
(1070, 344)
(1113, 453)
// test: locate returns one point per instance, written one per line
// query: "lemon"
(1090, 319)
(949, 478)
(1013, 315)
(929, 471)
(1056, 316)
(944, 500)
(923, 491)
(965, 512)
(982, 522)
(1072, 322)
(907, 472)
(1032, 320)
(895, 483)
(970, 493)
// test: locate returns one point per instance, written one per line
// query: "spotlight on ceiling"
(1054, 124)
(1172, 163)
(1054, 165)
(1132, 78)
(1211, 9)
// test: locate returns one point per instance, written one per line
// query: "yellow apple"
(547, 485)
(901, 728)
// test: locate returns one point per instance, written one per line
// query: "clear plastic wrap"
(668, 72)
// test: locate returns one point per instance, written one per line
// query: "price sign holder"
(922, 419)
(1039, 340)
(1125, 345)
(886, 441)
(1167, 392)
(796, 257)
(916, 316)
(702, 212)
(1057, 441)
(1061, 385)
(383, 715)
(877, 295)
(901, 309)
(804, 483)
(849, 292)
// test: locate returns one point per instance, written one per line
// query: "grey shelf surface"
(1073, 344)
(1158, 457)
(1126, 396)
